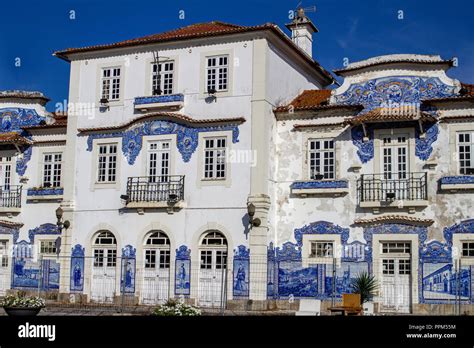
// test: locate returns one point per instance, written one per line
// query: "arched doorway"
(104, 267)
(212, 268)
(156, 270)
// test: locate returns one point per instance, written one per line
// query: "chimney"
(302, 30)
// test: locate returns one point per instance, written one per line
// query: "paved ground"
(139, 310)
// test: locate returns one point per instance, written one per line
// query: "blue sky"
(33, 29)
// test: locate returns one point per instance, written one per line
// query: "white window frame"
(218, 67)
(307, 257)
(203, 92)
(320, 248)
(108, 167)
(51, 246)
(161, 75)
(55, 166)
(160, 153)
(4, 255)
(408, 132)
(112, 78)
(160, 252)
(323, 151)
(213, 171)
(462, 170)
(7, 180)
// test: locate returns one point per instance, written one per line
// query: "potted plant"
(176, 308)
(365, 285)
(22, 305)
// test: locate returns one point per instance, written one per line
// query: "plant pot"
(22, 311)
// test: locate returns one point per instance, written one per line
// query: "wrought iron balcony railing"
(391, 187)
(167, 188)
(10, 196)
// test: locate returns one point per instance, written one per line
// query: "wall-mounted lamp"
(60, 223)
(251, 212)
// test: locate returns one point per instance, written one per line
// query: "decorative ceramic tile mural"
(183, 271)
(441, 281)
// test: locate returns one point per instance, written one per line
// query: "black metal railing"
(10, 196)
(168, 188)
(392, 187)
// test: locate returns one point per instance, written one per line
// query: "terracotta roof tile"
(391, 115)
(467, 89)
(10, 223)
(308, 99)
(168, 116)
(14, 138)
(201, 30)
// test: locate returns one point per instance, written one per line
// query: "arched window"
(214, 238)
(157, 251)
(213, 251)
(105, 250)
(158, 238)
(105, 238)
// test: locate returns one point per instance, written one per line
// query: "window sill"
(10, 210)
(457, 182)
(45, 194)
(314, 187)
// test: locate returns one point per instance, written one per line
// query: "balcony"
(10, 199)
(155, 192)
(393, 190)
(169, 101)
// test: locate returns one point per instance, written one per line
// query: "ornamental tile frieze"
(187, 137)
(394, 91)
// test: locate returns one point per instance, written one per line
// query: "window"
(321, 249)
(404, 266)
(4, 253)
(468, 249)
(52, 166)
(107, 163)
(98, 257)
(48, 247)
(396, 248)
(221, 259)
(106, 238)
(111, 257)
(206, 259)
(395, 156)
(110, 83)
(214, 158)
(157, 244)
(5, 172)
(214, 238)
(217, 73)
(159, 161)
(321, 159)
(466, 150)
(388, 266)
(162, 78)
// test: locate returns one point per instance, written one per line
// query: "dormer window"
(110, 82)
(162, 78)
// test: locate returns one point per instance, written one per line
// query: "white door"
(395, 276)
(395, 165)
(213, 265)
(156, 276)
(5, 268)
(103, 275)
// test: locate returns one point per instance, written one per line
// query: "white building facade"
(189, 173)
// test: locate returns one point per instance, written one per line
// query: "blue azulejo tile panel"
(183, 271)
(241, 271)
(441, 281)
(45, 192)
(321, 184)
(32, 273)
(457, 180)
(187, 137)
(77, 269)
(128, 270)
(393, 91)
(12, 119)
(159, 99)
